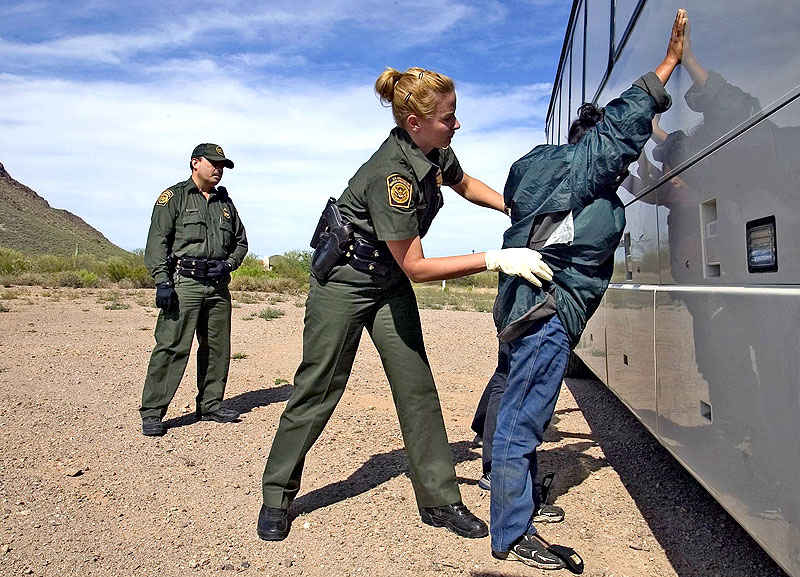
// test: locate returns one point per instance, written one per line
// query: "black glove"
(218, 268)
(166, 297)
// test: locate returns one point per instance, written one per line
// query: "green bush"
(88, 278)
(295, 264)
(252, 266)
(267, 284)
(52, 263)
(68, 278)
(12, 262)
(270, 313)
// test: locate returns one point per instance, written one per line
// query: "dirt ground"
(84, 493)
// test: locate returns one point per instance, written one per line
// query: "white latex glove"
(522, 262)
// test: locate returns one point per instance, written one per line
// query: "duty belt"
(196, 268)
(371, 257)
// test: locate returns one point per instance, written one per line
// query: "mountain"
(28, 224)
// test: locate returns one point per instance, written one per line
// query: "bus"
(699, 331)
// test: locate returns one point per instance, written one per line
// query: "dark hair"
(589, 114)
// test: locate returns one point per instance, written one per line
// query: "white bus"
(699, 331)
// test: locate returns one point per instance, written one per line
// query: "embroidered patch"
(219, 151)
(399, 191)
(225, 212)
(439, 178)
(164, 198)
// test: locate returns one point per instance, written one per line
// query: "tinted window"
(737, 48)
(577, 97)
(622, 16)
(565, 84)
(598, 43)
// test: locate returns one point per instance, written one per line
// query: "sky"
(103, 102)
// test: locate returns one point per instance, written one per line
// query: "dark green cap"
(212, 152)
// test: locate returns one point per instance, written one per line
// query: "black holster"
(330, 241)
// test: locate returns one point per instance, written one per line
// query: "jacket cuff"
(651, 84)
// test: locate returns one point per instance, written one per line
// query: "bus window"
(623, 11)
(565, 97)
(576, 94)
(598, 45)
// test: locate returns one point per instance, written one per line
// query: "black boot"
(457, 518)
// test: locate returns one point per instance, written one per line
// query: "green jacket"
(564, 204)
(184, 224)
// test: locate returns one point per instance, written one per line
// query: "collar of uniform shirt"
(420, 164)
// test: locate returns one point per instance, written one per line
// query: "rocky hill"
(29, 224)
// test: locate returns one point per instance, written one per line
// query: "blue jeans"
(538, 363)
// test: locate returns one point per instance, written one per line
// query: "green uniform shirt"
(185, 224)
(396, 194)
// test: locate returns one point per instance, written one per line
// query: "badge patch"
(399, 191)
(439, 179)
(219, 151)
(164, 198)
(225, 212)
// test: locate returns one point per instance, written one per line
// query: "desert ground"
(84, 493)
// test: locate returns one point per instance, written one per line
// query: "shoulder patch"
(163, 199)
(399, 191)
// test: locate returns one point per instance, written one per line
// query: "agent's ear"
(412, 123)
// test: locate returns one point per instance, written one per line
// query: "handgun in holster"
(330, 240)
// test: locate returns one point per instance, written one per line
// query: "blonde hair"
(412, 92)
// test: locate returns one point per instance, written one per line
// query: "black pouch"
(371, 257)
(196, 268)
(370, 266)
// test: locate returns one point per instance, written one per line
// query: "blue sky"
(103, 102)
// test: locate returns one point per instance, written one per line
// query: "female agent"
(388, 207)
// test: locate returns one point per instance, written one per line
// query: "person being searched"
(368, 251)
(564, 204)
(195, 240)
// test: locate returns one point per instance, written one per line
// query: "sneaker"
(221, 415)
(456, 518)
(485, 482)
(548, 514)
(531, 551)
(153, 427)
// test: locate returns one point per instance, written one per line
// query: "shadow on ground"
(378, 469)
(697, 534)
(243, 403)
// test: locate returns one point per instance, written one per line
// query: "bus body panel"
(699, 331)
(728, 369)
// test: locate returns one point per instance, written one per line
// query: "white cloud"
(106, 150)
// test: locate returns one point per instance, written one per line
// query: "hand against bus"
(522, 262)
(676, 38)
(674, 48)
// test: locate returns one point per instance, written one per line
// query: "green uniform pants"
(336, 314)
(204, 309)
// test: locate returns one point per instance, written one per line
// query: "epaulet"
(223, 192)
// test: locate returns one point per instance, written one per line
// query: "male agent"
(195, 240)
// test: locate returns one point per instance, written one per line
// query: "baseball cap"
(212, 152)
